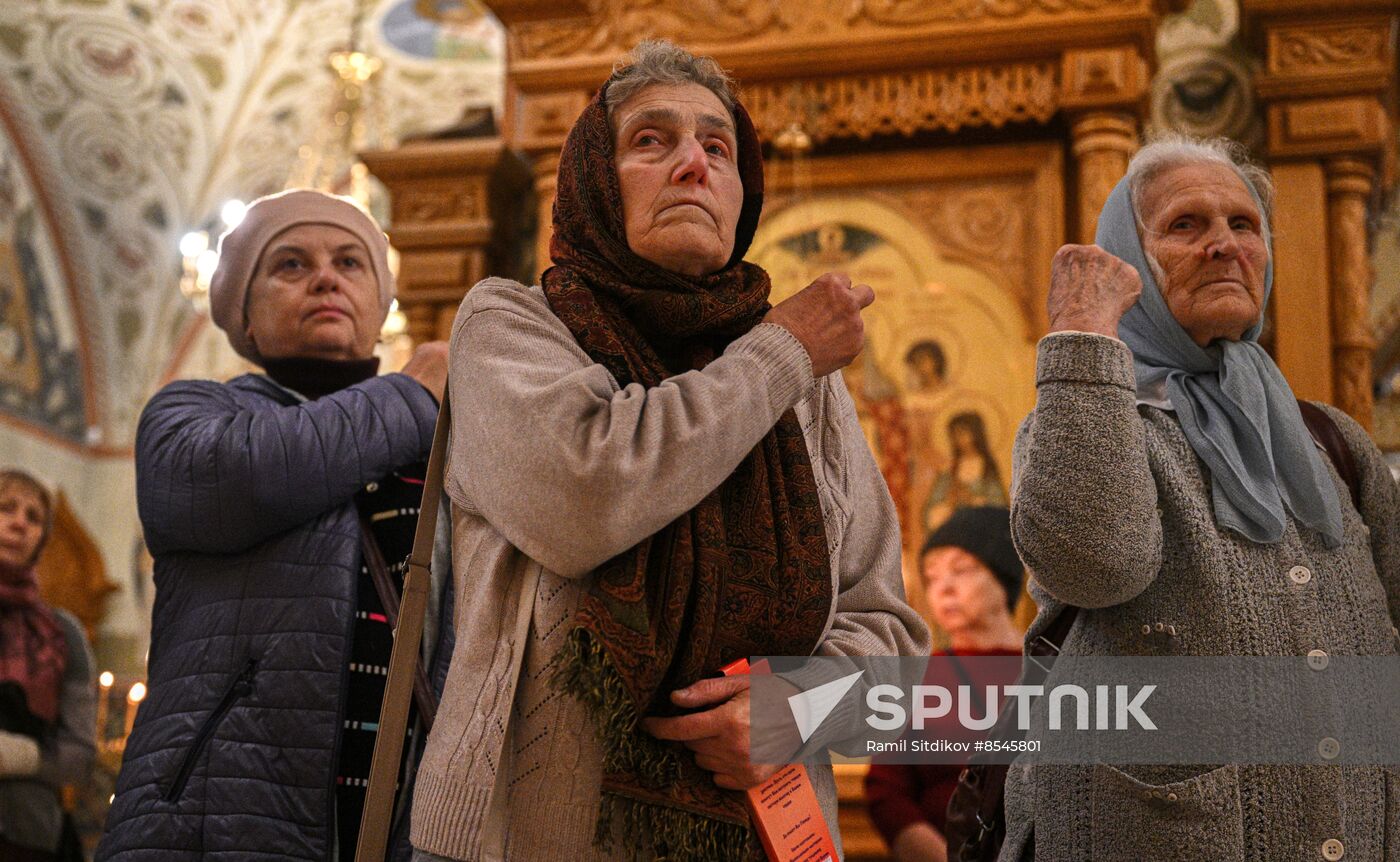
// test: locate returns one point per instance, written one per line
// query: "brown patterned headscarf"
(746, 572)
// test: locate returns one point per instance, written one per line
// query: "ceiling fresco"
(40, 375)
(132, 122)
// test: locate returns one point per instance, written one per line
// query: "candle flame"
(106, 679)
(137, 693)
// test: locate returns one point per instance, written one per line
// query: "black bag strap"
(408, 635)
(1046, 644)
(967, 680)
(1327, 435)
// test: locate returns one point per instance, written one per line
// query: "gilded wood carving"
(1328, 87)
(988, 225)
(1349, 184)
(998, 209)
(1324, 48)
(615, 25)
(72, 575)
(946, 99)
(436, 204)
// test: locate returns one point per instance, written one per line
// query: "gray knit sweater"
(553, 469)
(1111, 511)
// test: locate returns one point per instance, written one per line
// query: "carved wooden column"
(1105, 93)
(1328, 87)
(538, 124)
(442, 225)
(1349, 186)
(546, 168)
(1102, 143)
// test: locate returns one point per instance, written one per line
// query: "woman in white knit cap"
(265, 501)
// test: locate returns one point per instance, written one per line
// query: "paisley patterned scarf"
(746, 572)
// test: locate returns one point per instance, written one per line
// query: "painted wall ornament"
(143, 117)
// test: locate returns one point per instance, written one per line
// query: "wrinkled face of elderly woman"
(1205, 231)
(314, 296)
(678, 171)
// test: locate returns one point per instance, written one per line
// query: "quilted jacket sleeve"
(216, 476)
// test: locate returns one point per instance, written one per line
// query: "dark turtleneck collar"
(314, 378)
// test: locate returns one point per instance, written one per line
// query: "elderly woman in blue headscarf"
(1167, 487)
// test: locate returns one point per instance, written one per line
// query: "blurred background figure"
(47, 687)
(927, 367)
(972, 580)
(972, 478)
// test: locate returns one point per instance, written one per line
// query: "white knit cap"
(241, 249)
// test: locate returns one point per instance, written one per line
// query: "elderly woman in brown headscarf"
(653, 473)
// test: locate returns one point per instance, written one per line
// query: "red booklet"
(785, 808)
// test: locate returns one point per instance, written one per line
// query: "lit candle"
(104, 696)
(133, 698)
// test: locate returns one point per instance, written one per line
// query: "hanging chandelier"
(793, 145)
(327, 161)
(330, 160)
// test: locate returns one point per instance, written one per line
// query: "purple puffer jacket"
(246, 495)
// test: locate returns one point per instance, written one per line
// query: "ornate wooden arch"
(72, 574)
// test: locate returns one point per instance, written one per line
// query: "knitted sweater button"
(1317, 659)
(1329, 748)
(1300, 575)
(1332, 850)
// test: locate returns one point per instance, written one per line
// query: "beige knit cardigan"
(553, 469)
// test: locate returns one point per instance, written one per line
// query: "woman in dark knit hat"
(972, 579)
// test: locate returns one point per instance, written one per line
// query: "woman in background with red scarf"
(47, 686)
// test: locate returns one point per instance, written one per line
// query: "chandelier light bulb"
(205, 264)
(194, 243)
(232, 213)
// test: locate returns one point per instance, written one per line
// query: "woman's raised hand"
(1090, 290)
(428, 365)
(825, 317)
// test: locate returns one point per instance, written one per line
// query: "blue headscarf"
(1238, 413)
